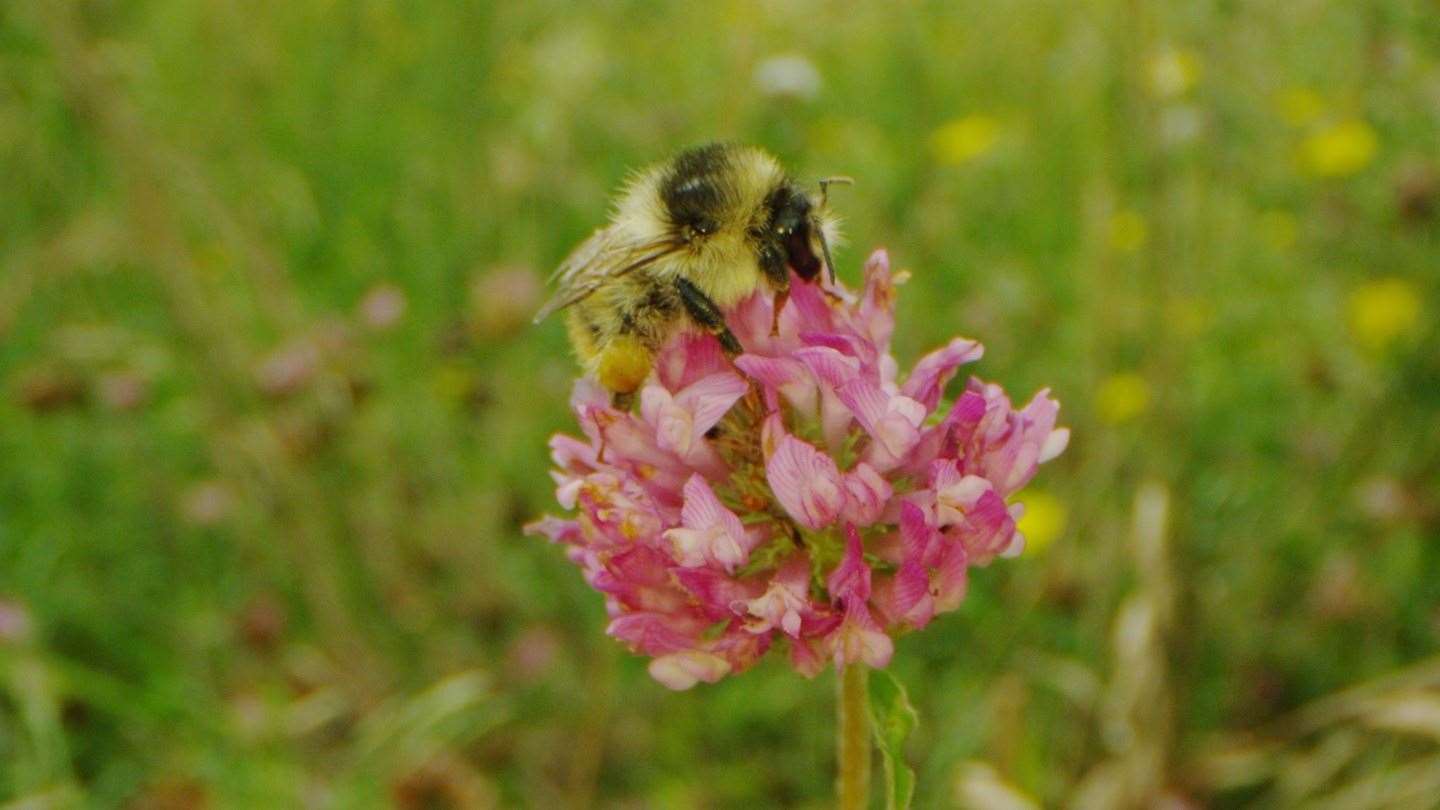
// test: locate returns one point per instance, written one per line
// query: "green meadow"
(272, 411)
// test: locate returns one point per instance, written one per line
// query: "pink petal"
(711, 532)
(631, 446)
(892, 421)
(895, 436)
(831, 369)
(1004, 445)
(567, 493)
(750, 321)
(790, 623)
(689, 357)
(806, 311)
(588, 394)
(1054, 444)
(967, 412)
(835, 419)
(674, 425)
(846, 344)
(954, 501)
(866, 400)
(950, 577)
(866, 494)
(785, 374)
(651, 633)
(876, 314)
(716, 592)
(917, 535)
(785, 602)
(638, 579)
(860, 639)
(809, 656)
(910, 592)
(703, 510)
(654, 399)
(710, 398)
(571, 454)
(871, 362)
(740, 648)
(556, 529)
(690, 547)
(828, 365)
(618, 510)
(927, 381)
(849, 583)
(805, 481)
(682, 670)
(987, 528)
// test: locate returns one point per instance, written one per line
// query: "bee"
(689, 238)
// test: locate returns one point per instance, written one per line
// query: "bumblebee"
(689, 238)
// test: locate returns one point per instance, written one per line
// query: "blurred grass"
(271, 418)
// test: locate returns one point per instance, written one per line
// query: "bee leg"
(779, 304)
(772, 264)
(704, 312)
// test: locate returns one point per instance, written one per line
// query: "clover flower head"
(801, 494)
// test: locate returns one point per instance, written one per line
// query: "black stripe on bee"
(692, 197)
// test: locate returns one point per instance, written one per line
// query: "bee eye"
(704, 227)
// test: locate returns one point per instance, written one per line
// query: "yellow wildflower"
(964, 139)
(1122, 397)
(1382, 311)
(1043, 521)
(1171, 73)
(1128, 231)
(1339, 150)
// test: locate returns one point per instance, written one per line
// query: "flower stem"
(853, 733)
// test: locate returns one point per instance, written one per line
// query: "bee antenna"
(825, 248)
(836, 180)
(825, 183)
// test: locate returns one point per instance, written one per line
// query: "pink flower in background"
(802, 494)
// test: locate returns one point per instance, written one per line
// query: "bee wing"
(608, 253)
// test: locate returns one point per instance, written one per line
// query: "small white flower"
(789, 76)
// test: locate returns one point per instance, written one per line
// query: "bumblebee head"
(725, 199)
(792, 228)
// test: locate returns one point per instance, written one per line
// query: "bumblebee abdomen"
(585, 336)
(637, 307)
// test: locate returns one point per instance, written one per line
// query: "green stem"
(853, 782)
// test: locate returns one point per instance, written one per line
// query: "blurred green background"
(272, 413)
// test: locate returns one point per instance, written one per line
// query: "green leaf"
(893, 718)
